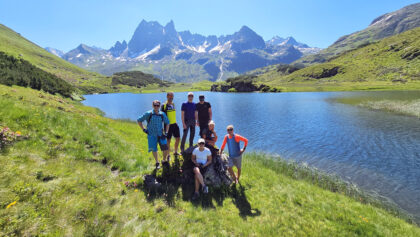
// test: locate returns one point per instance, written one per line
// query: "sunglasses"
(190, 96)
(201, 143)
(230, 129)
(156, 105)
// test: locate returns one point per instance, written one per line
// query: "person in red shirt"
(235, 152)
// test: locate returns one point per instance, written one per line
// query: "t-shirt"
(209, 134)
(189, 110)
(170, 112)
(203, 112)
(201, 156)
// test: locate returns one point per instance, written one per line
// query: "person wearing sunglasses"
(235, 152)
(201, 157)
(189, 118)
(157, 130)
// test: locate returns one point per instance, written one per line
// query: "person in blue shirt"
(189, 120)
(157, 130)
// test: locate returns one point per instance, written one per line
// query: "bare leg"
(230, 169)
(165, 155)
(155, 155)
(197, 184)
(198, 176)
(239, 173)
(169, 144)
(177, 139)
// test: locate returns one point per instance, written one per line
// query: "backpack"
(150, 117)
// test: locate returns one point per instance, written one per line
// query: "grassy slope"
(68, 141)
(377, 66)
(14, 44)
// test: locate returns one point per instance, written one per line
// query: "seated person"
(210, 136)
(201, 157)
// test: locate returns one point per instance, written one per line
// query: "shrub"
(19, 72)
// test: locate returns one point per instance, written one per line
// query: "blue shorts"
(154, 140)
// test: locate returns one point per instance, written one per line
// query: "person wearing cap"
(211, 136)
(204, 115)
(169, 109)
(201, 157)
(235, 152)
(157, 130)
(189, 118)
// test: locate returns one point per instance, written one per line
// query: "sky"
(66, 24)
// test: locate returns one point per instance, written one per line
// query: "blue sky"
(66, 24)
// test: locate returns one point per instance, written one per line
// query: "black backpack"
(153, 114)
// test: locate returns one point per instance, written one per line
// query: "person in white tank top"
(201, 157)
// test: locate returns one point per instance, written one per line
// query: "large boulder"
(216, 175)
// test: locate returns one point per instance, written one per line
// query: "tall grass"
(411, 108)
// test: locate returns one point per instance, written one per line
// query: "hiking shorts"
(154, 140)
(173, 131)
(203, 129)
(235, 161)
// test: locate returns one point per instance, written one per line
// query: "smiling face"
(156, 106)
(190, 98)
(211, 127)
(230, 131)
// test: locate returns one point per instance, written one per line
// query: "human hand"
(184, 126)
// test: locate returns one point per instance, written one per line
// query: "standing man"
(156, 122)
(235, 151)
(189, 118)
(169, 109)
(204, 115)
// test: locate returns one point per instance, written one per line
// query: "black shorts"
(173, 131)
(203, 170)
(203, 129)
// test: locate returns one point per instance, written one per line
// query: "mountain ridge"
(157, 49)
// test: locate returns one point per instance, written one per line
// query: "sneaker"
(157, 165)
(195, 196)
(205, 189)
(177, 154)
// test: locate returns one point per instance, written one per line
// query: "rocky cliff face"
(183, 56)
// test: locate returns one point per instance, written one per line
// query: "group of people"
(162, 126)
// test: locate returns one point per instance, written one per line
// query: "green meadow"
(65, 176)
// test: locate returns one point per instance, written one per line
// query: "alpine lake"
(378, 151)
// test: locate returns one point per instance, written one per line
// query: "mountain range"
(186, 57)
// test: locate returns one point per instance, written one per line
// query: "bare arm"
(209, 158)
(196, 117)
(194, 160)
(141, 125)
(210, 114)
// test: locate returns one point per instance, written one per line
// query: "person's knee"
(196, 170)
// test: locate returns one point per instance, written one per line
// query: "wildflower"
(136, 190)
(11, 204)
(18, 133)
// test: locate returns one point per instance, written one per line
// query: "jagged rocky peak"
(118, 48)
(245, 39)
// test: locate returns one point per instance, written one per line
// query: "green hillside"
(387, 25)
(65, 175)
(392, 63)
(14, 44)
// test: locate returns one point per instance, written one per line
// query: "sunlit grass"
(68, 178)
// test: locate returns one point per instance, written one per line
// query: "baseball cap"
(201, 140)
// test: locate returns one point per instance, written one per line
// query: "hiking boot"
(157, 165)
(205, 189)
(195, 196)
(165, 163)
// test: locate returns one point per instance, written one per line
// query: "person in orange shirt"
(235, 152)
